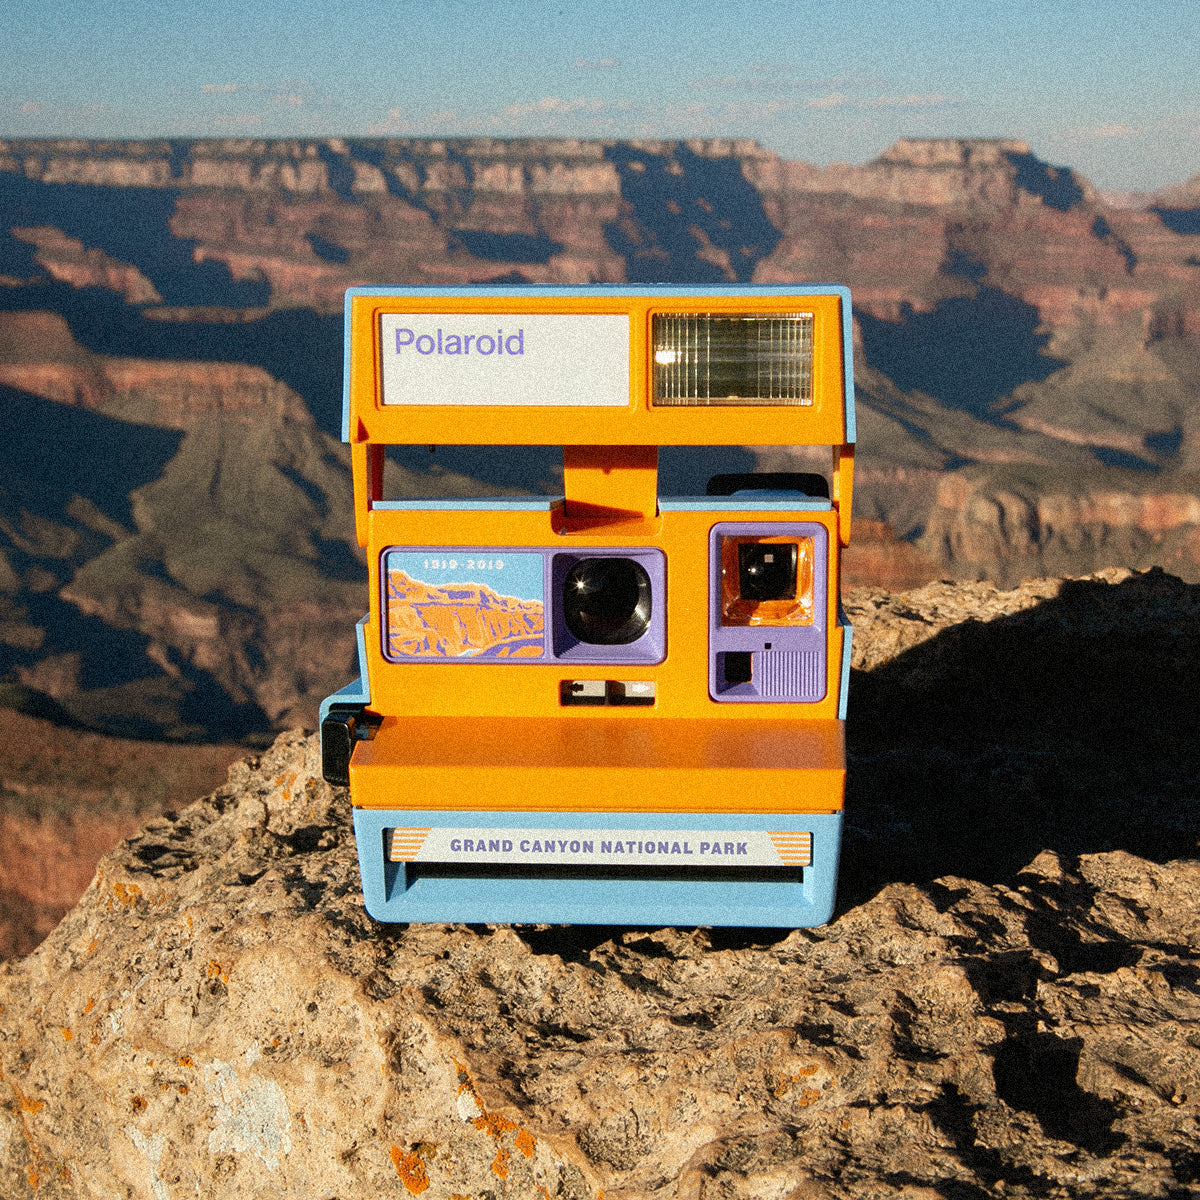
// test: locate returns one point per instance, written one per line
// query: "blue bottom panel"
(705, 891)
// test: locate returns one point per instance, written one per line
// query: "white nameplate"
(604, 847)
(501, 359)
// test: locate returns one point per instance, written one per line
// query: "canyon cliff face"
(1005, 1004)
(1027, 371)
(456, 621)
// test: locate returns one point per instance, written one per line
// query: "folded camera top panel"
(645, 366)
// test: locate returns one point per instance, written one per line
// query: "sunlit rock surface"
(1006, 1003)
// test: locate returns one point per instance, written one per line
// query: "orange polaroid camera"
(606, 707)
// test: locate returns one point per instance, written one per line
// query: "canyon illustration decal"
(484, 604)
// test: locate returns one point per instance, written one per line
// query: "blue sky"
(1108, 88)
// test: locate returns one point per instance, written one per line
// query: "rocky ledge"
(1007, 1003)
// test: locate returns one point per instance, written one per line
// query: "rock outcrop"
(1007, 1003)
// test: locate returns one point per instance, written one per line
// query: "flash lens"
(733, 358)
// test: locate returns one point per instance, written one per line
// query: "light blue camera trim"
(617, 291)
(358, 692)
(848, 363)
(744, 502)
(844, 684)
(470, 504)
(391, 896)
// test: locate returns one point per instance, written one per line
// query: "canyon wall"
(176, 552)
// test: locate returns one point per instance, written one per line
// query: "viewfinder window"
(767, 580)
(733, 358)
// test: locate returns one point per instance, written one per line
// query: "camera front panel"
(520, 619)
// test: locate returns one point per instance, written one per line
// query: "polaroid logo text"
(461, 343)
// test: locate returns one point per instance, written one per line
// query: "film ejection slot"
(621, 693)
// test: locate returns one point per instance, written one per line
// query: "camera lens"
(606, 601)
(767, 570)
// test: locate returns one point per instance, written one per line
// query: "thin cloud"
(599, 64)
(30, 107)
(551, 106)
(1186, 124)
(240, 120)
(841, 100)
(220, 89)
(711, 115)
(932, 100)
(290, 99)
(394, 122)
(832, 100)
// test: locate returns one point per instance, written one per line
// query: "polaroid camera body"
(606, 707)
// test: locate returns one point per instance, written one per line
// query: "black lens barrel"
(606, 601)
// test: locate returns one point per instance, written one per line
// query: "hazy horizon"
(1090, 84)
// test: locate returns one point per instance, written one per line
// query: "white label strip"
(603, 847)
(502, 359)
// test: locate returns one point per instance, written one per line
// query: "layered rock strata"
(1026, 373)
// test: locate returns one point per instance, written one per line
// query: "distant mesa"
(460, 620)
(953, 152)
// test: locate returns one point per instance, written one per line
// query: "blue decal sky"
(507, 574)
(1108, 88)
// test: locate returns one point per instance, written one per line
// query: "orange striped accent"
(794, 848)
(403, 845)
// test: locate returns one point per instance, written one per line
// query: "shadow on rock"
(1070, 726)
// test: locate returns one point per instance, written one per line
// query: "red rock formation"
(67, 259)
(39, 355)
(460, 620)
(68, 796)
(877, 558)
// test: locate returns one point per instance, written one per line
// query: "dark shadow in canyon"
(968, 353)
(66, 475)
(130, 224)
(507, 247)
(1104, 231)
(1068, 727)
(687, 218)
(327, 251)
(53, 452)
(1179, 220)
(1057, 187)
